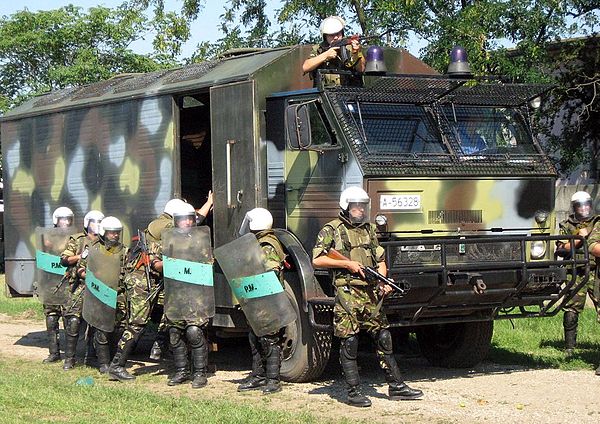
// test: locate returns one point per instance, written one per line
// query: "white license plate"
(400, 201)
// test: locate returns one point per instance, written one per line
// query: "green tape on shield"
(260, 285)
(49, 263)
(101, 291)
(188, 271)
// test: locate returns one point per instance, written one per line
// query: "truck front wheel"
(305, 351)
(456, 345)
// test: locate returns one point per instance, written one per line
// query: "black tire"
(456, 345)
(305, 351)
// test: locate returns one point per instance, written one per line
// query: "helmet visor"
(93, 226)
(64, 221)
(184, 222)
(359, 212)
(582, 210)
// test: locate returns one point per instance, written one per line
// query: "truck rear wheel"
(456, 345)
(305, 351)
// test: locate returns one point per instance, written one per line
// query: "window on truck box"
(396, 128)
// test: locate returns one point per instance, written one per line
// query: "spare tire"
(456, 345)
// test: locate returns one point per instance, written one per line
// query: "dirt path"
(488, 393)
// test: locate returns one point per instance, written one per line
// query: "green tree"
(47, 50)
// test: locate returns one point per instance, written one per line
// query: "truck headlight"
(538, 249)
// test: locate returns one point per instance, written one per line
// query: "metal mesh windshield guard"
(391, 133)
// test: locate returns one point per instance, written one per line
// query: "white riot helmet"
(91, 221)
(112, 224)
(356, 205)
(332, 25)
(183, 214)
(62, 217)
(257, 219)
(581, 204)
(172, 206)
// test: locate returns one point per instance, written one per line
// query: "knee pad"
(175, 336)
(267, 343)
(52, 321)
(195, 336)
(570, 320)
(72, 326)
(100, 337)
(349, 347)
(384, 341)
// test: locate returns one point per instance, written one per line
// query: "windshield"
(396, 128)
(488, 130)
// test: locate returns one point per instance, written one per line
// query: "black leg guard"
(257, 378)
(72, 336)
(180, 357)
(159, 347)
(397, 389)
(570, 320)
(116, 370)
(102, 350)
(272, 351)
(90, 353)
(197, 341)
(348, 354)
(53, 337)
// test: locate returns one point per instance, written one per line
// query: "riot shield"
(258, 291)
(51, 283)
(101, 282)
(188, 274)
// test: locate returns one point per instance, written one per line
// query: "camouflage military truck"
(466, 219)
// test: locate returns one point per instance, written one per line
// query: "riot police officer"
(189, 332)
(357, 301)
(267, 349)
(580, 222)
(77, 249)
(62, 217)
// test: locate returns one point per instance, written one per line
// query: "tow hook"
(469, 279)
(478, 285)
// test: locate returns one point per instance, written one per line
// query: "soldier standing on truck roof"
(323, 56)
(62, 217)
(266, 350)
(108, 245)
(581, 222)
(77, 249)
(141, 300)
(593, 288)
(357, 301)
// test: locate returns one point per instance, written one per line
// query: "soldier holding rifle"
(357, 301)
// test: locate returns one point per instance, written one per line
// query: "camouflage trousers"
(75, 304)
(591, 289)
(141, 304)
(357, 308)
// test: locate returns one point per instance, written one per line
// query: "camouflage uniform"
(358, 306)
(336, 64)
(266, 350)
(575, 305)
(102, 338)
(77, 243)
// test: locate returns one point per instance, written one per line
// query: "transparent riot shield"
(258, 290)
(188, 274)
(101, 282)
(51, 283)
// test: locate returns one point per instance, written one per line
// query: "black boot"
(598, 371)
(159, 347)
(272, 365)
(348, 354)
(180, 357)
(89, 358)
(197, 340)
(116, 370)
(570, 319)
(72, 336)
(53, 337)
(102, 350)
(257, 378)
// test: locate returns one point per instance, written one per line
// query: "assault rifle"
(145, 257)
(356, 37)
(371, 274)
(63, 280)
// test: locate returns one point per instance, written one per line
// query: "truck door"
(234, 156)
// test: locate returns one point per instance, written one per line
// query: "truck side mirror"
(297, 126)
